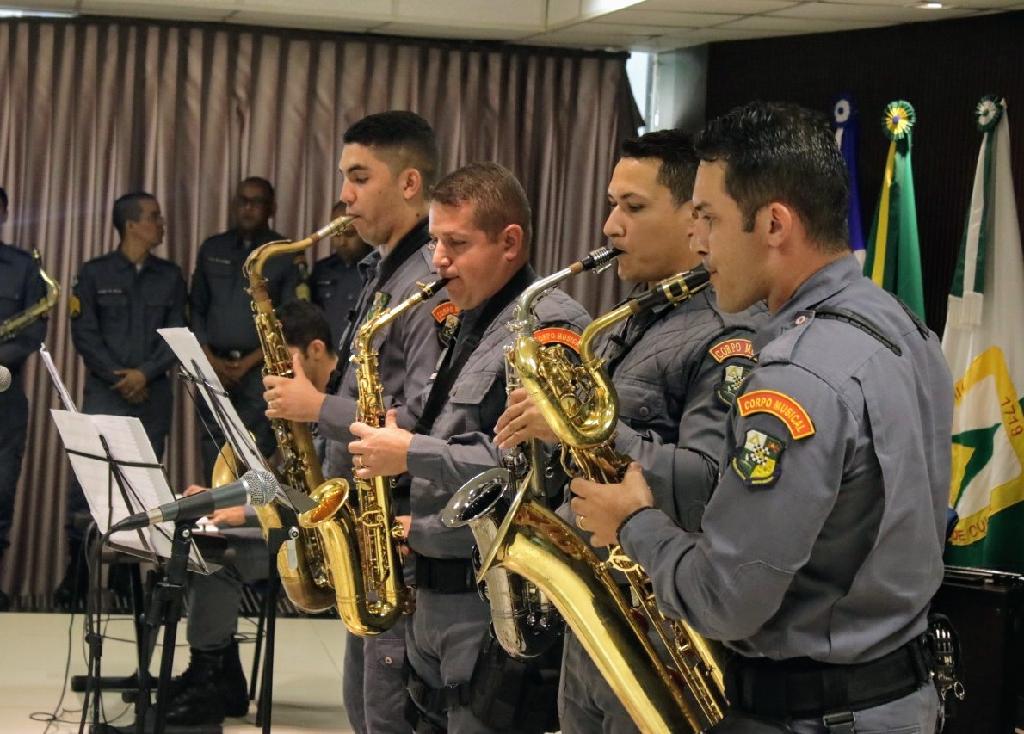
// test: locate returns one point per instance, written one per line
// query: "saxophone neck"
(381, 317)
(257, 259)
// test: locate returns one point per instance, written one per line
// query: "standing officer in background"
(222, 319)
(389, 161)
(480, 221)
(822, 543)
(21, 287)
(213, 685)
(120, 299)
(675, 370)
(335, 283)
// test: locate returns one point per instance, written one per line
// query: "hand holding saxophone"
(521, 422)
(601, 509)
(293, 398)
(380, 452)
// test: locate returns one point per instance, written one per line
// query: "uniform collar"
(821, 286)
(121, 259)
(368, 265)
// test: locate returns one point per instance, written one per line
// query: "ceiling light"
(931, 6)
(22, 13)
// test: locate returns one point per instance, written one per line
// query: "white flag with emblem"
(985, 350)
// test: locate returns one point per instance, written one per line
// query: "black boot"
(211, 688)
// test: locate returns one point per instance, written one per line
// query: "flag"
(894, 257)
(986, 355)
(846, 122)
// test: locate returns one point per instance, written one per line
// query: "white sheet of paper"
(126, 438)
(186, 347)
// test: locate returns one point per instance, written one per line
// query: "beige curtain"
(92, 109)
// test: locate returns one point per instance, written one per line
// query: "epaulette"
(859, 322)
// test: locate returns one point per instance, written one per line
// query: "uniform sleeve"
(199, 298)
(682, 475)
(86, 334)
(163, 357)
(770, 504)
(16, 350)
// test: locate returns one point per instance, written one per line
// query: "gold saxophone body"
(580, 405)
(385, 595)
(10, 327)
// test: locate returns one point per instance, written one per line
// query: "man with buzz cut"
(388, 163)
(675, 369)
(821, 547)
(480, 221)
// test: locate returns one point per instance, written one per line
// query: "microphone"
(256, 487)
(5, 378)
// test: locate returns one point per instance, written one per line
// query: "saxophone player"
(480, 223)
(388, 163)
(21, 287)
(675, 370)
(822, 543)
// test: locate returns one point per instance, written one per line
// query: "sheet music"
(146, 485)
(188, 351)
(62, 390)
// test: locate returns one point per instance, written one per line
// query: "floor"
(34, 648)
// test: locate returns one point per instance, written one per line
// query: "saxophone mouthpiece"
(598, 260)
(678, 288)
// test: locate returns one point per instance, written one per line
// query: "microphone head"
(5, 378)
(260, 485)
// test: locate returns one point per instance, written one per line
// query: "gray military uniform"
(824, 536)
(447, 631)
(675, 372)
(221, 315)
(122, 306)
(373, 681)
(21, 287)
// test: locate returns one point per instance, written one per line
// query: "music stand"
(120, 476)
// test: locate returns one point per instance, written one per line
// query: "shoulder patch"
(782, 406)
(732, 381)
(555, 335)
(732, 348)
(757, 461)
(443, 310)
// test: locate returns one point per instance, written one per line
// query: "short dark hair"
(3, 197)
(406, 135)
(782, 152)
(496, 194)
(302, 322)
(128, 208)
(674, 148)
(268, 188)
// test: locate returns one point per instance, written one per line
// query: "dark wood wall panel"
(942, 67)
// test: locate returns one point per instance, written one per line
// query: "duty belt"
(445, 575)
(233, 354)
(801, 688)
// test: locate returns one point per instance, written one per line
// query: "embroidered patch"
(732, 380)
(74, 306)
(732, 348)
(447, 329)
(443, 310)
(757, 461)
(553, 335)
(783, 407)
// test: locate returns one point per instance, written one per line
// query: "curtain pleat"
(94, 108)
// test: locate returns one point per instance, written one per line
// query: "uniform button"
(800, 320)
(644, 411)
(388, 660)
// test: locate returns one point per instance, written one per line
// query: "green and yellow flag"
(894, 257)
(985, 351)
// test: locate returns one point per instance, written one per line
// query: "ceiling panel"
(789, 25)
(738, 7)
(426, 31)
(299, 20)
(868, 13)
(669, 19)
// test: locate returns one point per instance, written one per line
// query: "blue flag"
(847, 123)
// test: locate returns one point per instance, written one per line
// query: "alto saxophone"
(10, 327)
(516, 532)
(308, 565)
(385, 596)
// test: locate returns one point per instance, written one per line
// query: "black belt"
(233, 354)
(445, 575)
(801, 688)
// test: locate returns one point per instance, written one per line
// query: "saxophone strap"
(462, 347)
(628, 337)
(408, 246)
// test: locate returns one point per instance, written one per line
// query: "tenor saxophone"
(385, 596)
(10, 327)
(517, 533)
(307, 565)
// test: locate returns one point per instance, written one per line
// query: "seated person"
(213, 686)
